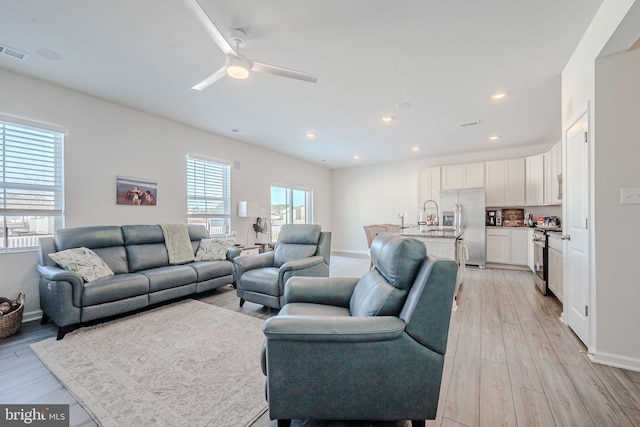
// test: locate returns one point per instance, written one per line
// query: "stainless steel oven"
(540, 259)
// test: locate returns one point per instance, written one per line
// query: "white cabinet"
(555, 280)
(463, 176)
(519, 253)
(498, 242)
(505, 182)
(534, 180)
(507, 246)
(531, 250)
(443, 248)
(553, 175)
(429, 185)
(452, 177)
(474, 175)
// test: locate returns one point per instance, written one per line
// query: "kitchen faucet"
(424, 209)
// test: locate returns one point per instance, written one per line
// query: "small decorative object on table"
(11, 315)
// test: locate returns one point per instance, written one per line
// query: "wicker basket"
(10, 322)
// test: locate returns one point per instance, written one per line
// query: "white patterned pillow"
(212, 250)
(84, 262)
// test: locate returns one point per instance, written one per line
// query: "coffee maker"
(491, 218)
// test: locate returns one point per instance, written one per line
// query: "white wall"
(614, 316)
(617, 92)
(376, 194)
(105, 140)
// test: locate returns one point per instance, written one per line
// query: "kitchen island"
(443, 242)
(440, 241)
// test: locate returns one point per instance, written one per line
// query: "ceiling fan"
(237, 65)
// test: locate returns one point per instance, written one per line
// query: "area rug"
(186, 364)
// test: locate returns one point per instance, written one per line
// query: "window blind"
(208, 188)
(31, 171)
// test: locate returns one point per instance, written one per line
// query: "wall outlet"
(630, 196)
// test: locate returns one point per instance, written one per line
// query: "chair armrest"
(250, 262)
(233, 252)
(335, 291)
(333, 329)
(53, 273)
(302, 263)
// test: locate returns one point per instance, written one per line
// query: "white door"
(576, 259)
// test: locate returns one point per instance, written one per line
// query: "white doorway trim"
(588, 330)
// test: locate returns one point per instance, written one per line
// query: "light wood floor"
(510, 362)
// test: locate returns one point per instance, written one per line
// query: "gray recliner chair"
(362, 349)
(301, 250)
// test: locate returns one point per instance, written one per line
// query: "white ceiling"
(446, 58)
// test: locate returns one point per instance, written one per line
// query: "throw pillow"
(212, 250)
(84, 262)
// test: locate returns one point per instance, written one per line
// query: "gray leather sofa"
(362, 349)
(138, 257)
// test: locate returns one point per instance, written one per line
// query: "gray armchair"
(301, 250)
(362, 349)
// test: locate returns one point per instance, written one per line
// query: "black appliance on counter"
(491, 218)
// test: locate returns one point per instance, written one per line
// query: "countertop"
(434, 232)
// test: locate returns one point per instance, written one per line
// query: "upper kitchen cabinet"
(553, 175)
(469, 175)
(505, 182)
(534, 180)
(429, 185)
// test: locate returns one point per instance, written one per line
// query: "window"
(289, 206)
(209, 194)
(31, 185)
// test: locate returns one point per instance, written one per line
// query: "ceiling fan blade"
(211, 79)
(283, 72)
(211, 28)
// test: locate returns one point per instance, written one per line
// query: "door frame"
(591, 273)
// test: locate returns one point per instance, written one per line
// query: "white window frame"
(31, 182)
(209, 194)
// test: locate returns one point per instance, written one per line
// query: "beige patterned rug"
(186, 364)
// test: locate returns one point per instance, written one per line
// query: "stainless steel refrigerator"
(471, 205)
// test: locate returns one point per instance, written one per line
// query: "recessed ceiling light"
(311, 135)
(494, 137)
(499, 95)
(387, 119)
(415, 148)
(356, 156)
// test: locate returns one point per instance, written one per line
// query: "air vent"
(14, 53)
(464, 125)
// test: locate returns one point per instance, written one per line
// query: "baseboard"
(349, 251)
(30, 316)
(616, 360)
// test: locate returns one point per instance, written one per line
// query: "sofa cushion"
(296, 242)
(142, 234)
(263, 280)
(114, 288)
(115, 257)
(383, 290)
(169, 277)
(207, 270)
(144, 257)
(212, 250)
(82, 261)
(89, 237)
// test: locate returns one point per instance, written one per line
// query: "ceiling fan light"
(237, 69)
